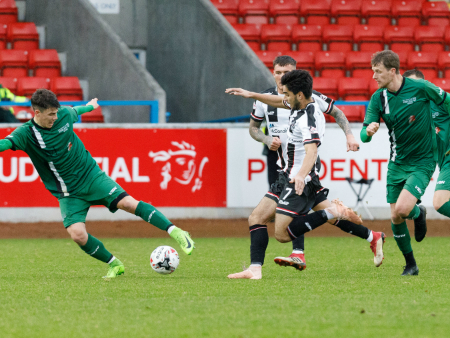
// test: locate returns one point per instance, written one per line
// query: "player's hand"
(93, 103)
(352, 144)
(275, 144)
(239, 92)
(372, 128)
(299, 184)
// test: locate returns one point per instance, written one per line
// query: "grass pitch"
(50, 288)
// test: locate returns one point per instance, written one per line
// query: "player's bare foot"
(253, 272)
(340, 211)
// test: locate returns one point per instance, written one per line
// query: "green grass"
(50, 288)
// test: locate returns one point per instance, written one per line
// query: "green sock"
(96, 249)
(151, 215)
(445, 209)
(415, 212)
(401, 235)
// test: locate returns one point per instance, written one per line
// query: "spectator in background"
(7, 113)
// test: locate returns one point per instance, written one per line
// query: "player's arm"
(342, 122)
(257, 134)
(371, 120)
(308, 163)
(437, 95)
(5, 145)
(90, 106)
(272, 100)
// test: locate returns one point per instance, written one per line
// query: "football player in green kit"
(441, 119)
(70, 173)
(404, 105)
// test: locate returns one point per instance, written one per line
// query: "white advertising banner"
(106, 6)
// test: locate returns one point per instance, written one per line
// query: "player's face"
(47, 118)
(291, 98)
(279, 71)
(382, 75)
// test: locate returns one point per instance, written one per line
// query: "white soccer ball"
(164, 259)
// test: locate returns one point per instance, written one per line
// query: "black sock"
(259, 239)
(302, 224)
(353, 229)
(299, 243)
(409, 258)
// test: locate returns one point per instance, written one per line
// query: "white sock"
(255, 265)
(170, 228)
(329, 214)
(297, 251)
(370, 238)
(112, 259)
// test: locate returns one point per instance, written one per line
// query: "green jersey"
(62, 161)
(407, 115)
(441, 120)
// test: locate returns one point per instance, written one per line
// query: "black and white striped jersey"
(305, 126)
(277, 119)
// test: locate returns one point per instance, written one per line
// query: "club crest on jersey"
(313, 130)
(69, 146)
(323, 97)
(438, 130)
(412, 118)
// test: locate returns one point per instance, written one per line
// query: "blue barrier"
(154, 105)
(245, 118)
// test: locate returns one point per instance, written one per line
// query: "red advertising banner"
(165, 167)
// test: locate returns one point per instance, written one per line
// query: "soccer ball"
(164, 259)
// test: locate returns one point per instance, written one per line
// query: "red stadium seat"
(403, 56)
(369, 38)
(326, 86)
(23, 35)
(3, 36)
(95, 116)
(426, 62)
(26, 86)
(442, 83)
(430, 38)
(330, 64)
(229, 9)
(254, 11)
(14, 63)
(267, 57)
(407, 12)
(373, 86)
(307, 37)
(377, 12)
(359, 64)
(251, 34)
(399, 38)
(67, 88)
(353, 89)
(315, 12)
(8, 11)
(277, 37)
(285, 11)
(444, 63)
(45, 63)
(436, 13)
(9, 83)
(339, 38)
(346, 12)
(447, 36)
(305, 60)
(353, 113)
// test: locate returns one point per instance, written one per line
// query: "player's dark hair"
(388, 59)
(284, 60)
(43, 99)
(298, 81)
(415, 72)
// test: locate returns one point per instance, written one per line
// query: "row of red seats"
(21, 35)
(373, 12)
(358, 64)
(343, 37)
(42, 63)
(8, 11)
(66, 88)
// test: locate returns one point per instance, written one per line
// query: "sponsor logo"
(294, 141)
(435, 114)
(410, 101)
(283, 202)
(440, 91)
(412, 118)
(112, 190)
(64, 128)
(440, 182)
(270, 112)
(278, 131)
(189, 243)
(418, 189)
(150, 216)
(399, 236)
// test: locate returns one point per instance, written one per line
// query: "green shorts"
(443, 181)
(415, 179)
(101, 191)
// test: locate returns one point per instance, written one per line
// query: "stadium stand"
(377, 12)
(8, 11)
(442, 83)
(444, 63)
(9, 82)
(353, 89)
(67, 88)
(23, 35)
(436, 13)
(368, 38)
(267, 57)
(285, 11)
(426, 62)
(307, 37)
(44, 63)
(358, 63)
(326, 86)
(330, 64)
(26, 86)
(430, 38)
(407, 12)
(316, 12)
(95, 116)
(254, 11)
(251, 34)
(339, 38)
(14, 63)
(305, 60)
(399, 38)
(277, 37)
(3, 36)
(346, 12)
(229, 9)
(353, 113)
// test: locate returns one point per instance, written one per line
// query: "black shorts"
(291, 204)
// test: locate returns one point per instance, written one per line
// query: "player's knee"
(128, 204)
(282, 237)
(402, 211)
(437, 203)
(79, 236)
